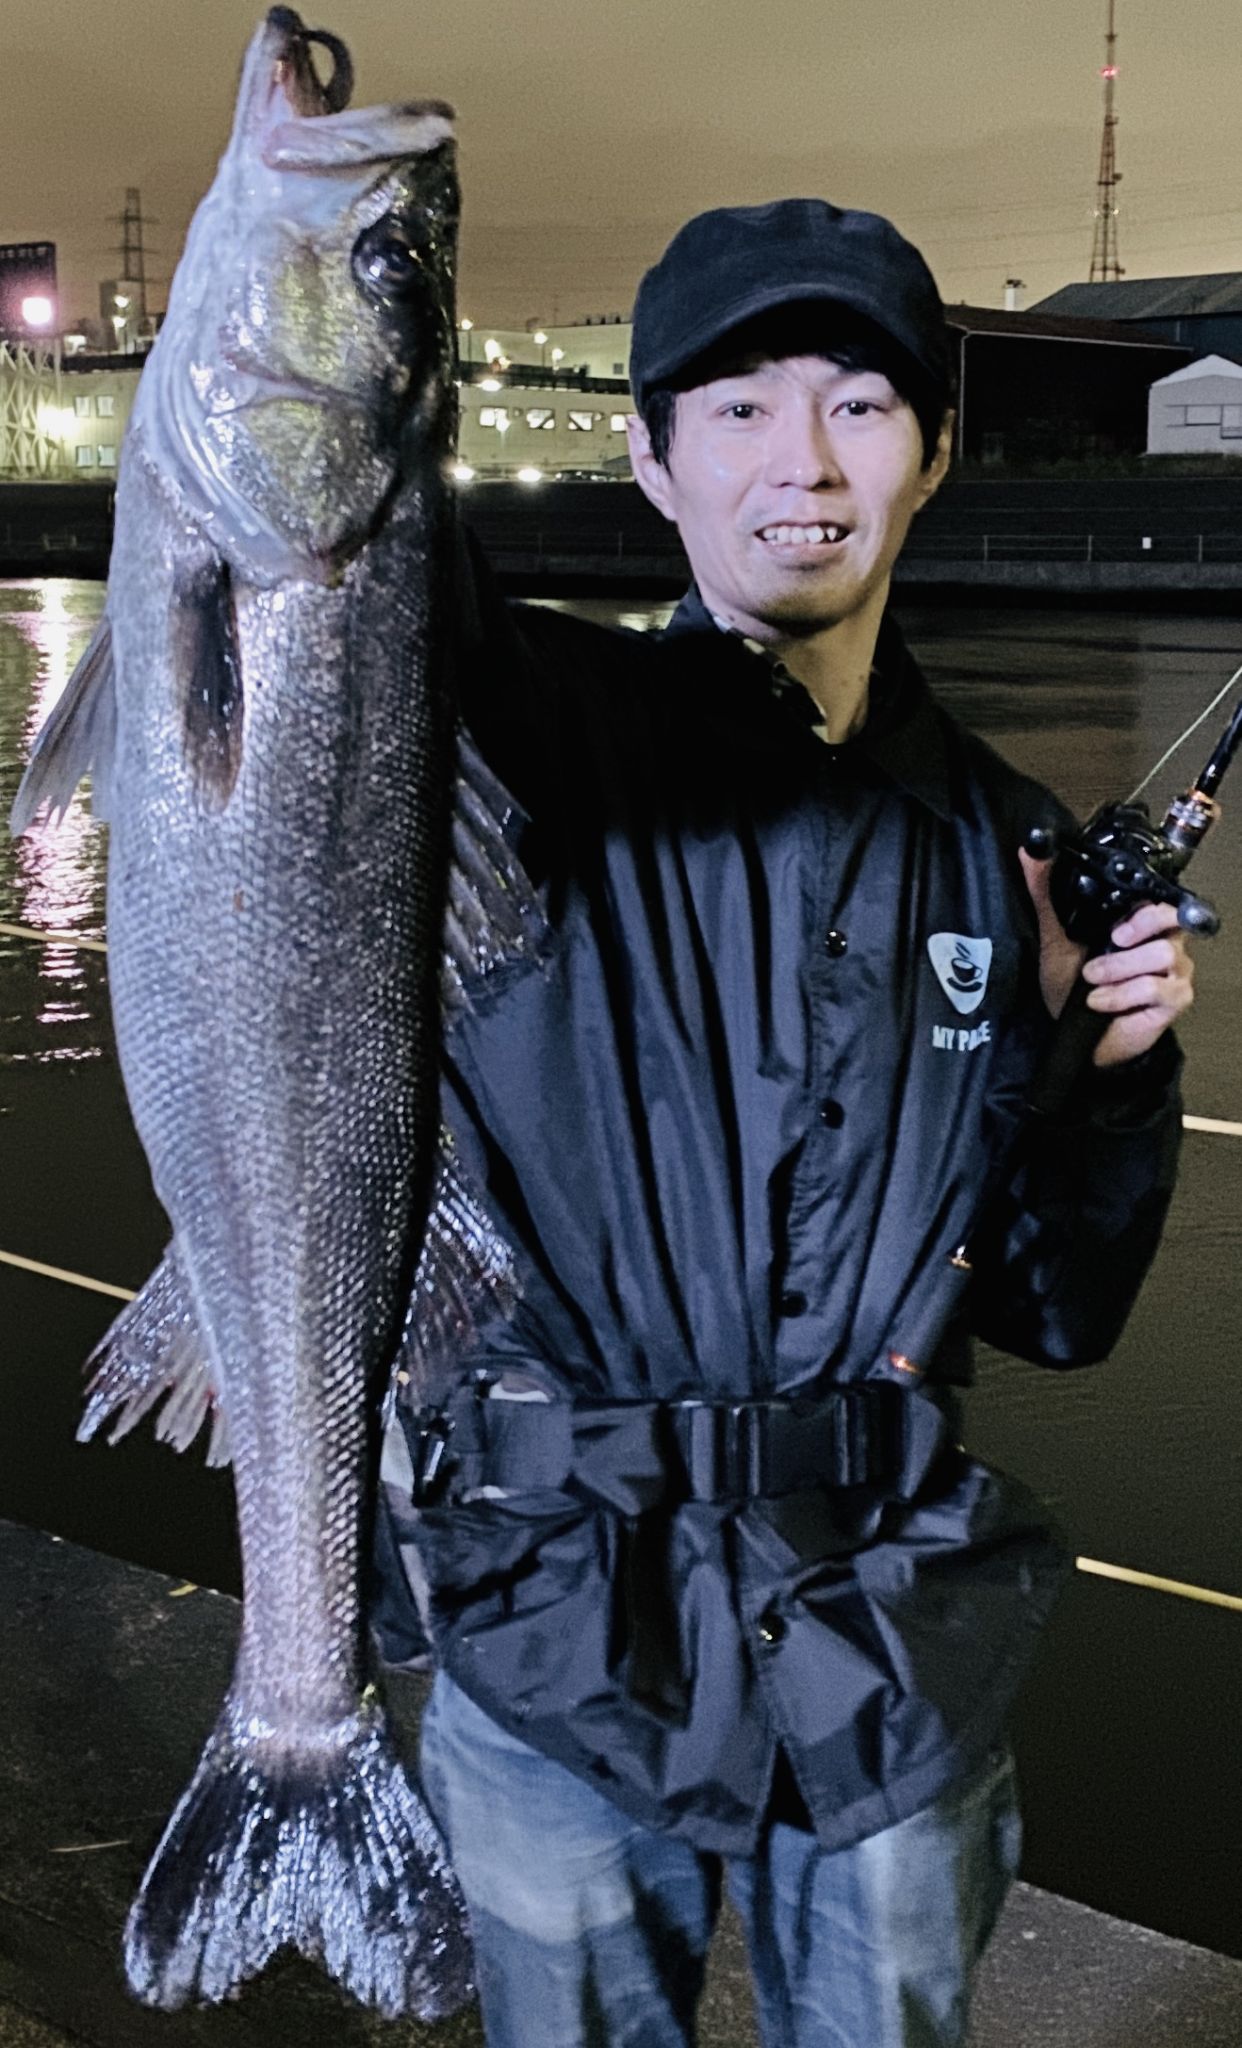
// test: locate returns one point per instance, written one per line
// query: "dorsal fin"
(493, 916)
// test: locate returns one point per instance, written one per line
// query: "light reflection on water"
(51, 878)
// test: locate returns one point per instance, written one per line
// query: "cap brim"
(767, 300)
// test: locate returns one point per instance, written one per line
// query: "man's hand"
(1145, 986)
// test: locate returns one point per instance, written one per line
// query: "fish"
(306, 862)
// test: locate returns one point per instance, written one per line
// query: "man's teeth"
(801, 536)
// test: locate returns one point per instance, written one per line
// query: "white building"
(592, 348)
(1197, 410)
(61, 422)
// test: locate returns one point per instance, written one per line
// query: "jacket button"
(793, 1303)
(835, 944)
(771, 1628)
(832, 1114)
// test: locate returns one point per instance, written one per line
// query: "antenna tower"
(1105, 264)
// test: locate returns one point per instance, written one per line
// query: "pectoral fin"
(78, 738)
(208, 670)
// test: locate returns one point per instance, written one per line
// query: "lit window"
(541, 417)
(84, 457)
(487, 415)
(581, 422)
(616, 424)
(107, 455)
(1202, 415)
(82, 405)
(105, 405)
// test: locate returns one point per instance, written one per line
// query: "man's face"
(792, 482)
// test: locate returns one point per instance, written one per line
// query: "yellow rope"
(60, 1273)
(1154, 1584)
(26, 931)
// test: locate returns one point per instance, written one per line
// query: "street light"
(540, 340)
(38, 311)
(557, 356)
(467, 328)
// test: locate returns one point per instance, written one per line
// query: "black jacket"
(733, 1127)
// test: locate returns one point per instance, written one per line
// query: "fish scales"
(267, 715)
(282, 1068)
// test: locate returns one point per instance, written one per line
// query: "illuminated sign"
(27, 290)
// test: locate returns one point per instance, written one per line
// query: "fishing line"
(1206, 713)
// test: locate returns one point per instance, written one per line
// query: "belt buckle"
(723, 1450)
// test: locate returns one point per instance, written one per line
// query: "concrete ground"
(109, 1678)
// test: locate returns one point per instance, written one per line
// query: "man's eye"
(741, 409)
(857, 407)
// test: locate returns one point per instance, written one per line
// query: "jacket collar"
(904, 732)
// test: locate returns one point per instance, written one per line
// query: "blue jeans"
(591, 1931)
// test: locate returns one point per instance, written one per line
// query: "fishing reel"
(1103, 870)
(1101, 873)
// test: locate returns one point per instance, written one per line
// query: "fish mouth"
(294, 120)
(291, 44)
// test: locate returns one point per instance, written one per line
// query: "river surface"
(1127, 1735)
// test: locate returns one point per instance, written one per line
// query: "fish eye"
(384, 261)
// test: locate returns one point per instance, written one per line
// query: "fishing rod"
(1101, 873)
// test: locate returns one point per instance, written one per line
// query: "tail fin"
(347, 1867)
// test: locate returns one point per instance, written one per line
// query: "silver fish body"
(277, 768)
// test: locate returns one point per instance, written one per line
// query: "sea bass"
(266, 714)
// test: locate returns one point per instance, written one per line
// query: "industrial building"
(1033, 388)
(1201, 313)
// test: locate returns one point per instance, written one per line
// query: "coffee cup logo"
(961, 966)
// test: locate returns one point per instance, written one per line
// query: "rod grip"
(1075, 1036)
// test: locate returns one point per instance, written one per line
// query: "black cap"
(736, 262)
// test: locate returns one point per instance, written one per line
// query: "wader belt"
(637, 1455)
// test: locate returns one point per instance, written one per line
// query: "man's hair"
(809, 329)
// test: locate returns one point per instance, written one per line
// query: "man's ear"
(937, 469)
(652, 478)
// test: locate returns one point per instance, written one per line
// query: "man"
(713, 1589)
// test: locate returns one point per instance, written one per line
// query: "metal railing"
(1196, 548)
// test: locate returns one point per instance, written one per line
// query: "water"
(1126, 1735)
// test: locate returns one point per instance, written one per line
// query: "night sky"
(589, 131)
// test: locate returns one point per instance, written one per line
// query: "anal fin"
(154, 1353)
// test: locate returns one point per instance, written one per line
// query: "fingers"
(1145, 986)
(1144, 923)
(1157, 956)
(1168, 992)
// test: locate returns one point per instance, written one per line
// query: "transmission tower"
(132, 250)
(1105, 264)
